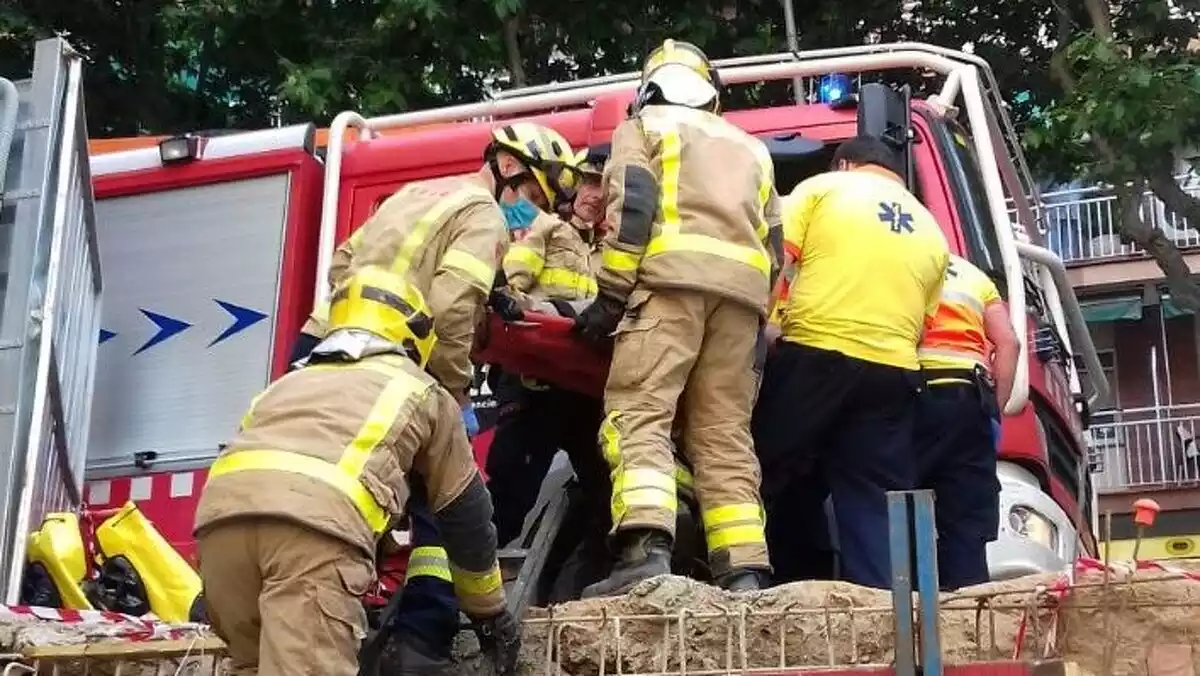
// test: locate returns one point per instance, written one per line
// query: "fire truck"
(209, 250)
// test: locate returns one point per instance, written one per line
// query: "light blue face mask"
(519, 214)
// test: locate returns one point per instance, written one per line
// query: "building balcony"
(1082, 225)
(1145, 449)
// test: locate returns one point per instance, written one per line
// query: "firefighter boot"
(645, 553)
(743, 580)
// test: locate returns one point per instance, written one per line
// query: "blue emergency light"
(834, 87)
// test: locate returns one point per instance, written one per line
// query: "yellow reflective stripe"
(949, 381)
(610, 441)
(620, 261)
(420, 231)
(645, 488)
(399, 390)
(345, 474)
(314, 468)
(692, 243)
(250, 411)
(968, 359)
(523, 255)
(428, 562)
(476, 270)
(567, 279)
(733, 525)
(683, 477)
(672, 152)
(469, 583)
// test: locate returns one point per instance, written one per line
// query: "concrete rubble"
(1137, 626)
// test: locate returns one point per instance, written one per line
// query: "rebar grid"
(670, 641)
(195, 656)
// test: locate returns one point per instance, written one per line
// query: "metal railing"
(1154, 447)
(1083, 225)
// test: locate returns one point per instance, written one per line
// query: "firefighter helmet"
(388, 306)
(546, 154)
(587, 165)
(679, 73)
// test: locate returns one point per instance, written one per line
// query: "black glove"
(600, 319)
(564, 308)
(500, 640)
(505, 305)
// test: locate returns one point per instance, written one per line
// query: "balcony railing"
(1083, 225)
(1145, 448)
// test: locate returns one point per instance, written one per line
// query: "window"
(966, 184)
(1108, 360)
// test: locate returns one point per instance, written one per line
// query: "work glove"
(503, 304)
(469, 419)
(500, 640)
(600, 319)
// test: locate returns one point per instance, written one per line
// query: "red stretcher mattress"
(543, 347)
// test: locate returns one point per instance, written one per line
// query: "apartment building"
(1145, 440)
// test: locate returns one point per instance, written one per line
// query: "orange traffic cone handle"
(1145, 511)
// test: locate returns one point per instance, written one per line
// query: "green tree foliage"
(1128, 101)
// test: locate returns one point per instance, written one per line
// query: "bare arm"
(999, 332)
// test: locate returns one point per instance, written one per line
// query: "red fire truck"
(214, 247)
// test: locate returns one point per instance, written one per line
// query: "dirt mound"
(671, 622)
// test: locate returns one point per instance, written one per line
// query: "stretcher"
(544, 347)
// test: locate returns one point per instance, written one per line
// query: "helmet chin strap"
(505, 182)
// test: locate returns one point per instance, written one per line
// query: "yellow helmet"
(679, 73)
(585, 165)
(544, 151)
(388, 306)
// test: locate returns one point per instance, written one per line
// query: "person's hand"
(500, 640)
(771, 334)
(469, 419)
(505, 305)
(600, 319)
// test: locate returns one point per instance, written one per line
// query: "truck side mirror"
(885, 113)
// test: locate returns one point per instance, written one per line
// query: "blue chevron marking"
(243, 318)
(167, 327)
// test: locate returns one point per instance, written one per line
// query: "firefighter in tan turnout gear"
(288, 522)
(687, 267)
(447, 237)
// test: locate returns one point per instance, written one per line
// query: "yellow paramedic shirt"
(870, 261)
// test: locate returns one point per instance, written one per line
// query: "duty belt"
(977, 378)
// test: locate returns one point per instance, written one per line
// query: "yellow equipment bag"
(57, 548)
(170, 583)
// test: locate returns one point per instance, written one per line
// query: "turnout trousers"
(535, 422)
(285, 598)
(428, 610)
(828, 425)
(690, 353)
(956, 458)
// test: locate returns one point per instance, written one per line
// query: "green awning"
(1170, 310)
(1112, 310)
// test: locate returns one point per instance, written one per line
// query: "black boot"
(412, 657)
(645, 553)
(743, 580)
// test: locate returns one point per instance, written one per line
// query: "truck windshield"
(962, 167)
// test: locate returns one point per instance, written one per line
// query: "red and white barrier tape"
(129, 627)
(1061, 588)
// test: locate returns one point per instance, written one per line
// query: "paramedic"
(687, 269)
(288, 522)
(835, 412)
(549, 270)
(958, 417)
(447, 236)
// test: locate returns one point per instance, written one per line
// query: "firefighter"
(969, 359)
(549, 270)
(835, 412)
(288, 522)
(687, 268)
(447, 237)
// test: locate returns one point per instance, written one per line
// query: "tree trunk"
(1176, 273)
(1166, 188)
(512, 48)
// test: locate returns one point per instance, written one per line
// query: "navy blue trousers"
(830, 426)
(956, 458)
(428, 609)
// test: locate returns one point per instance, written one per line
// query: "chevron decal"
(106, 335)
(243, 318)
(168, 327)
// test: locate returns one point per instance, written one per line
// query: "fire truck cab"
(214, 249)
